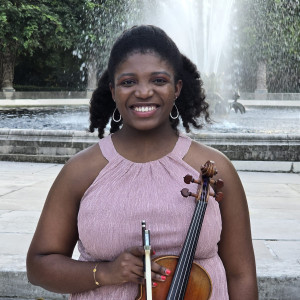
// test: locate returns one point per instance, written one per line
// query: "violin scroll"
(208, 170)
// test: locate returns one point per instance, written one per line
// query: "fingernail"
(163, 277)
(168, 272)
(154, 284)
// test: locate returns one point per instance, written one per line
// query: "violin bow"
(147, 260)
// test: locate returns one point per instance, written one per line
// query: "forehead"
(144, 62)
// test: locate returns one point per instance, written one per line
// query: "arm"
(49, 262)
(235, 246)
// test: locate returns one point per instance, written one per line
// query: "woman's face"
(145, 90)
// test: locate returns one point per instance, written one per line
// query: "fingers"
(159, 273)
(133, 274)
(136, 251)
(134, 269)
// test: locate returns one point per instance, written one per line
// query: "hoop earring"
(113, 117)
(177, 115)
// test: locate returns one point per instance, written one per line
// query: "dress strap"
(107, 148)
(182, 146)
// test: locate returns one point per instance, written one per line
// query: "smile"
(144, 108)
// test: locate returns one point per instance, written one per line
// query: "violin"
(188, 280)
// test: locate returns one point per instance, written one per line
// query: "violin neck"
(185, 262)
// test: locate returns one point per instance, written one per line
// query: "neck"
(144, 146)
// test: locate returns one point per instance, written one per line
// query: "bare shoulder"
(82, 169)
(199, 154)
(57, 229)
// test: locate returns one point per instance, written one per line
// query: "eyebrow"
(153, 73)
(162, 72)
(125, 74)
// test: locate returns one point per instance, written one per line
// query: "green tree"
(49, 70)
(27, 25)
(267, 33)
(87, 28)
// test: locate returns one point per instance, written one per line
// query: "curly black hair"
(191, 102)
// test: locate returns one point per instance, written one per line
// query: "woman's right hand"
(128, 267)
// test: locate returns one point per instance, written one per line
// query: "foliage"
(57, 69)
(84, 29)
(37, 88)
(28, 25)
(268, 31)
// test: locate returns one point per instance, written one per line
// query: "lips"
(146, 109)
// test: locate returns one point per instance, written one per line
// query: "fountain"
(200, 29)
(202, 38)
(203, 35)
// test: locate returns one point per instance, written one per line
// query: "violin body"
(199, 285)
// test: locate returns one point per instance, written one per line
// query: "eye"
(127, 82)
(159, 81)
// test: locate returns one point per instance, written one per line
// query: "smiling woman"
(145, 91)
(135, 173)
(172, 68)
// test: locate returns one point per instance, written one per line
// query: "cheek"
(122, 93)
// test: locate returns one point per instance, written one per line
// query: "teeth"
(144, 108)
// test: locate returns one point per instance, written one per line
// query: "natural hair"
(144, 39)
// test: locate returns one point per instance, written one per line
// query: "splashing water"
(199, 28)
(282, 120)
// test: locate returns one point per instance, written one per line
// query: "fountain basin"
(57, 146)
(257, 119)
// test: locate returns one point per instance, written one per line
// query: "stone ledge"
(15, 285)
(59, 145)
(45, 95)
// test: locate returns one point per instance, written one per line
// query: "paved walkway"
(274, 204)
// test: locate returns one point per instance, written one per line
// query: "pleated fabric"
(125, 193)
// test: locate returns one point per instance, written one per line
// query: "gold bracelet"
(94, 274)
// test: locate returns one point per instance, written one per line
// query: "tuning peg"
(217, 183)
(186, 193)
(188, 179)
(219, 196)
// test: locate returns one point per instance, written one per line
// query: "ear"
(112, 90)
(178, 87)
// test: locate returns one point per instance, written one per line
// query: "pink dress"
(125, 193)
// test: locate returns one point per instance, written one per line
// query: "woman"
(102, 194)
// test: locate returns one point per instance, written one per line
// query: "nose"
(143, 91)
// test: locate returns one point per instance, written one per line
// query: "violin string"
(194, 236)
(186, 259)
(175, 283)
(189, 246)
(190, 257)
(191, 236)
